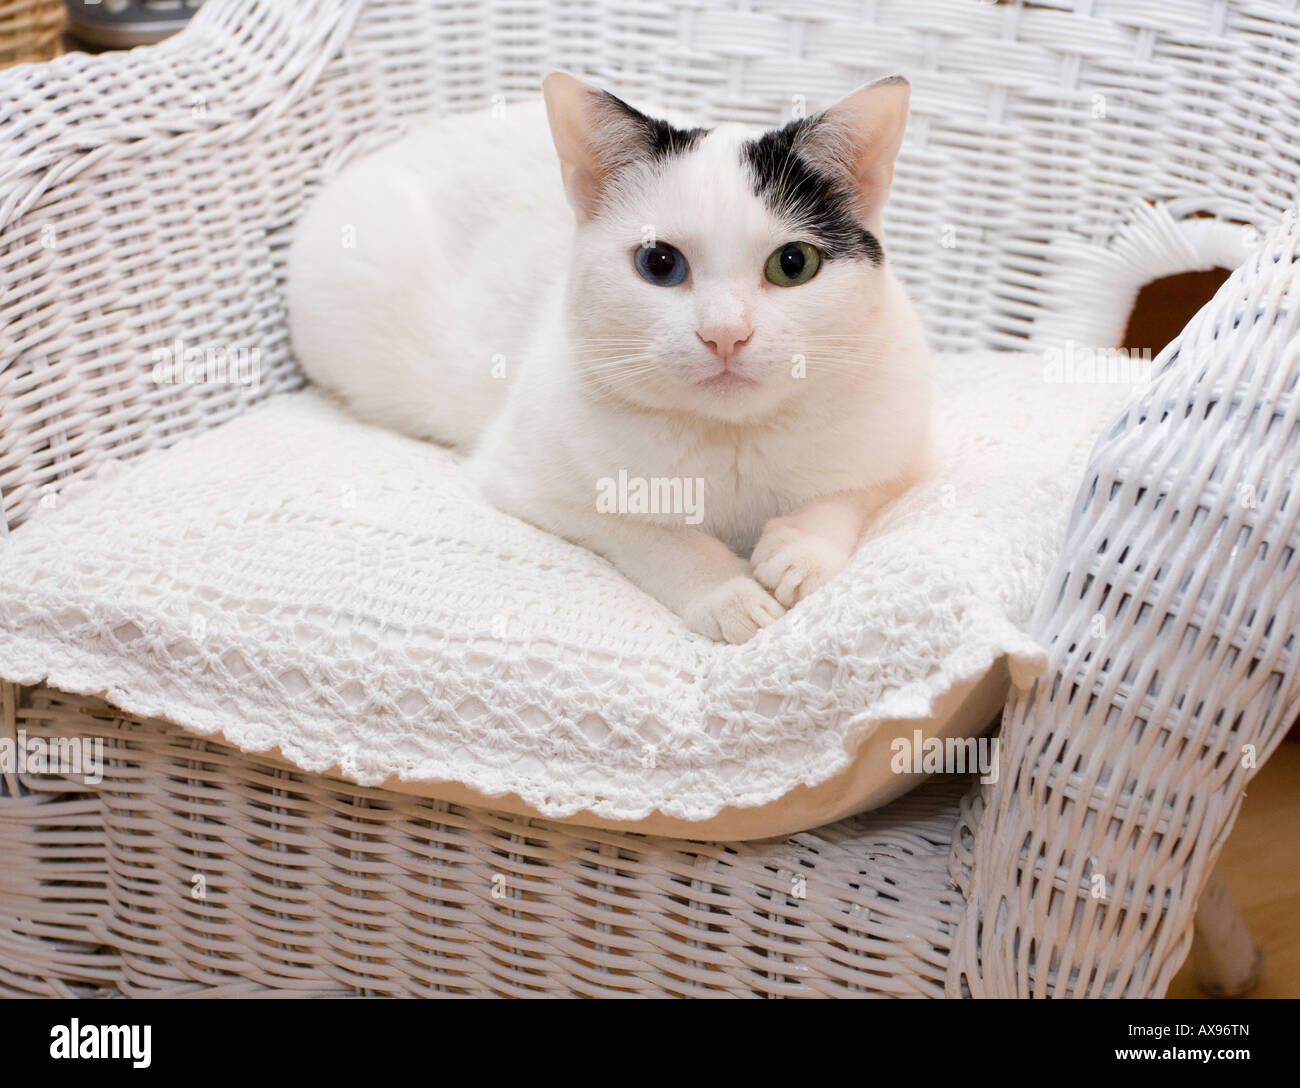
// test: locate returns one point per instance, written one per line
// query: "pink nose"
(725, 340)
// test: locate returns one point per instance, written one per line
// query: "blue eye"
(660, 264)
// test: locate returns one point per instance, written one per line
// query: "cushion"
(297, 582)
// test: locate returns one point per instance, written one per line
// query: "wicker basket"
(1060, 156)
(30, 30)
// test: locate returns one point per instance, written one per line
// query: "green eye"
(794, 263)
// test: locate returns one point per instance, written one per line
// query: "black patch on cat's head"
(662, 141)
(795, 189)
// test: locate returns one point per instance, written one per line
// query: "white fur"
(472, 312)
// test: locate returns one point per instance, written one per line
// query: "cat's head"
(717, 271)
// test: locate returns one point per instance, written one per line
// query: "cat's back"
(421, 274)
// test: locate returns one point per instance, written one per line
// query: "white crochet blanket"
(295, 580)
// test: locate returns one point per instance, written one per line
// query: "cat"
(712, 315)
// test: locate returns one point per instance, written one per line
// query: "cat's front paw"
(733, 612)
(792, 563)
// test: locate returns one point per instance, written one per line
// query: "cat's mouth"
(726, 381)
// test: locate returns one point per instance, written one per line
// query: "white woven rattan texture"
(1056, 147)
(1171, 624)
(314, 885)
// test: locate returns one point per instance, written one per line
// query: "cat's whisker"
(598, 365)
(636, 341)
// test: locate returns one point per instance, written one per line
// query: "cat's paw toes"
(734, 612)
(792, 564)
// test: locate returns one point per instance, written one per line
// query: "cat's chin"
(720, 398)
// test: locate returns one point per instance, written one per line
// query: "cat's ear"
(860, 135)
(595, 135)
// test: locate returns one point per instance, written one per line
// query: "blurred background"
(35, 30)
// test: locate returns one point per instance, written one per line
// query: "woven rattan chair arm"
(1171, 627)
(144, 199)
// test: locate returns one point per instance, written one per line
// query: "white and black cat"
(721, 311)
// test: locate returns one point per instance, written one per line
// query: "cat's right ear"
(595, 135)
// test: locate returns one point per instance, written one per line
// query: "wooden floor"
(1261, 862)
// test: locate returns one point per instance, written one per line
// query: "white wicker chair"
(1061, 154)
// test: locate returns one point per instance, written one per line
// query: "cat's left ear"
(860, 135)
(595, 135)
